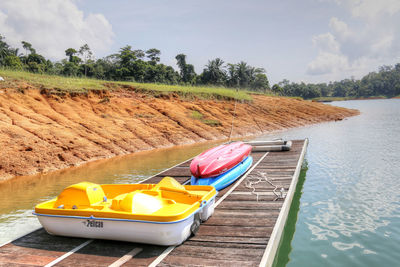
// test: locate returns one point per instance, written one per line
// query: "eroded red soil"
(40, 132)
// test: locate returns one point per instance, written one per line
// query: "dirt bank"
(41, 132)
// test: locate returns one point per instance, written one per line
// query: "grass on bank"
(61, 84)
(198, 116)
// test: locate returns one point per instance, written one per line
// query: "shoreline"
(42, 133)
(332, 99)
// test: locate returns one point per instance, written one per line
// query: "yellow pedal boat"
(166, 213)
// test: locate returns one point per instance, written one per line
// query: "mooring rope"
(233, 119)
(250, 184)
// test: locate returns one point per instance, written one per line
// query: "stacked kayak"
(222, 165)
(166, 213)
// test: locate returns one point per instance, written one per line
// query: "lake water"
(349, 210)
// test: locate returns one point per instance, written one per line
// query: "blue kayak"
(225, 179)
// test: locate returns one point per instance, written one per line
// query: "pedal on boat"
(163, 214)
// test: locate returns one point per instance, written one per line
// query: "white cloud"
(327, 63)
(369, 38)
(326, 43)
(340, 28)
(371, 8)
(329, 59)
(383, 44)
(52, 26)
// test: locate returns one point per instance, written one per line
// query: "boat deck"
(242, 231)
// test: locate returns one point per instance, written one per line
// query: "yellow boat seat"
(169, 183)
(80, 196)
(137, 202)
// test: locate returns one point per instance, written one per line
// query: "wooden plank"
(230, 239)
(40, 239)
(185, 164)
(261, 167)
(188, 260)
(146, 257)
(267, 165)
(99, 253)
(272, 172)
(251, 222)
(177, 172)
(293, 157)
(273, 178)
(252, 197)
(207, 252)
(69, 253)
(276, 162)
(242, 231)
(262, 187)
(37, 248)
(224, 245)
(250, 205)
(10, 255)
(275, 169)
(126, 257)
(245, 213)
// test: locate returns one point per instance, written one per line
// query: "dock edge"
(273, 243)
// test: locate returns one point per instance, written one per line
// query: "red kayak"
(218, 160)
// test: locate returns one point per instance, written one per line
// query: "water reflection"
(285, 247)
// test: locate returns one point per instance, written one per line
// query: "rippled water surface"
(350, 205)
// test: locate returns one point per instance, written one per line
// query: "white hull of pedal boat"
(158, 233)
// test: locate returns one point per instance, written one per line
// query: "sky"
(308, 40)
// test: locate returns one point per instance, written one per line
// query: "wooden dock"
(243, 231)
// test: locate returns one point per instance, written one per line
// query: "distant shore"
(332, 98)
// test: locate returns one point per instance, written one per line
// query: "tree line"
(134, 65)
(144, 66)
(385, 82)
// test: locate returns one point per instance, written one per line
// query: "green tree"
(36, 63)
(260, 82)
(188, 75)
(105, 68)
(87, 55)
(214, 73)
(233, 79)
(126, 56)
(277, 89)
(28, 47)
(4, 50)
(139, 53)
(13, 62)
(125, 67)
(243, 71)
(70, 53)
(154, 55)
(69, 68)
